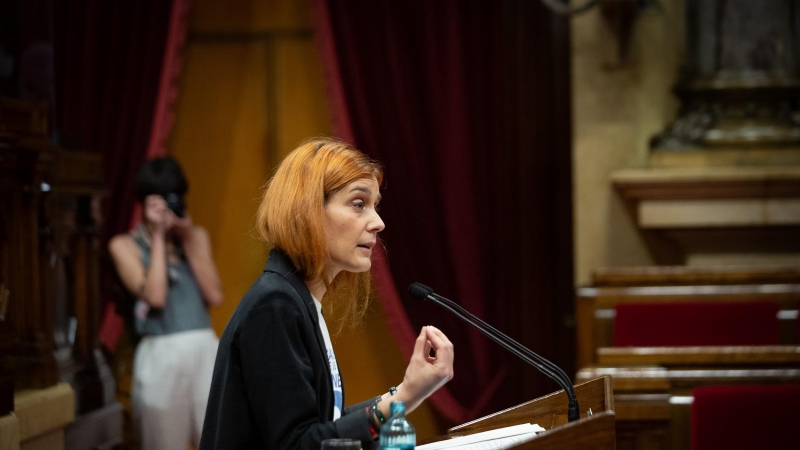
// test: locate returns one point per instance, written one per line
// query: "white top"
(336, 380)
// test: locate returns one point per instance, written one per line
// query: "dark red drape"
(467, 105)
(117, 65)
(108, 63)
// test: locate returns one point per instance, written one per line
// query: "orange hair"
(291, 215)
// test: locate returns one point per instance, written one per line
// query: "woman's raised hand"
(157, 215)
(425, 373)
(182, 227)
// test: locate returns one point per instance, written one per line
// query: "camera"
(176, 204)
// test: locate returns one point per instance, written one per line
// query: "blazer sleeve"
(358, 406)
(275, 344)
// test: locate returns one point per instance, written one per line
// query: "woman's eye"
(358, 204)
(378, 207)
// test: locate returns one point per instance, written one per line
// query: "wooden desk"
(653, 385)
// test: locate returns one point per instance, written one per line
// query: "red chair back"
(746, 417)
(701, 323)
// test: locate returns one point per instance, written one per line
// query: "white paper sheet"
(489, 440)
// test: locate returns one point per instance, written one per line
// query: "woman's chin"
(364, 267)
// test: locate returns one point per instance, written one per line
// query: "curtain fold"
(109, 59)
(117, 65)
(397, 319)
(467, 105)
(164, 111)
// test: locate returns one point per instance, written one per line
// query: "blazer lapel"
(279, 262)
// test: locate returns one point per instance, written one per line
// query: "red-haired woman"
(276, 383)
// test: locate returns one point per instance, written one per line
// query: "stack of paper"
(489, 440)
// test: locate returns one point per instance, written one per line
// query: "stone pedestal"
(688, 215)
(39, 419)
(9, 432)
(722, 182)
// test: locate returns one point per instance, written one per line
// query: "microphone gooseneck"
(423, 292)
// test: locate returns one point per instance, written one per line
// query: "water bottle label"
(403, 442)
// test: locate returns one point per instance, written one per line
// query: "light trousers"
(171, 381)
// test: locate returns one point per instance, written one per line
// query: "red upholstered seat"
(746, 417)
(700, 323)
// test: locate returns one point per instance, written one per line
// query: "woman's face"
(352, 224)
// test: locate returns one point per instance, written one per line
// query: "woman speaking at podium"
(276, 383)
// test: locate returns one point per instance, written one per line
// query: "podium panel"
(595, 431)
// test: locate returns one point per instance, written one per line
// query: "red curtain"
(467, 105)
(109, 60)
(117, 65)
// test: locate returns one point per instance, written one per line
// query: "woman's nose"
(377, 224)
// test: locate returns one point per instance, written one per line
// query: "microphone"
(423, 292)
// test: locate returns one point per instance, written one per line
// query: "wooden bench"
(695, 276)
(653, 385)
(595, 308)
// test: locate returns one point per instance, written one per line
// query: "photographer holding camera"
(166, 264)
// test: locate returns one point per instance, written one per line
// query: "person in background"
(166, 264)
(276, 382)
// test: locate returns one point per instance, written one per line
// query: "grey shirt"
(185, 309)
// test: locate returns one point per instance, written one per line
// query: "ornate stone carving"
(741, 85)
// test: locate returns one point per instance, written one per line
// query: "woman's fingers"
(419, 344)
(441, 345)
(425, 373)
(437, 351)
(436, 336)
(428, 348)
(156, 211)
(430, 353)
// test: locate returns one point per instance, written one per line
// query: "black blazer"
(272, 384)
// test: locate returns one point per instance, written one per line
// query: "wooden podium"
(550, 412)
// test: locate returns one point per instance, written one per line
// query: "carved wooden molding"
(706, 355)
(688, 275)
(707, 183)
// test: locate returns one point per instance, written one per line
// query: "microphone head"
(419, 290)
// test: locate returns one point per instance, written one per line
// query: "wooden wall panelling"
(27, 158)
(74, 228)
(72, 238)
(50, 268)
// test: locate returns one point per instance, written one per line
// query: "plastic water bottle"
(397, 433)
